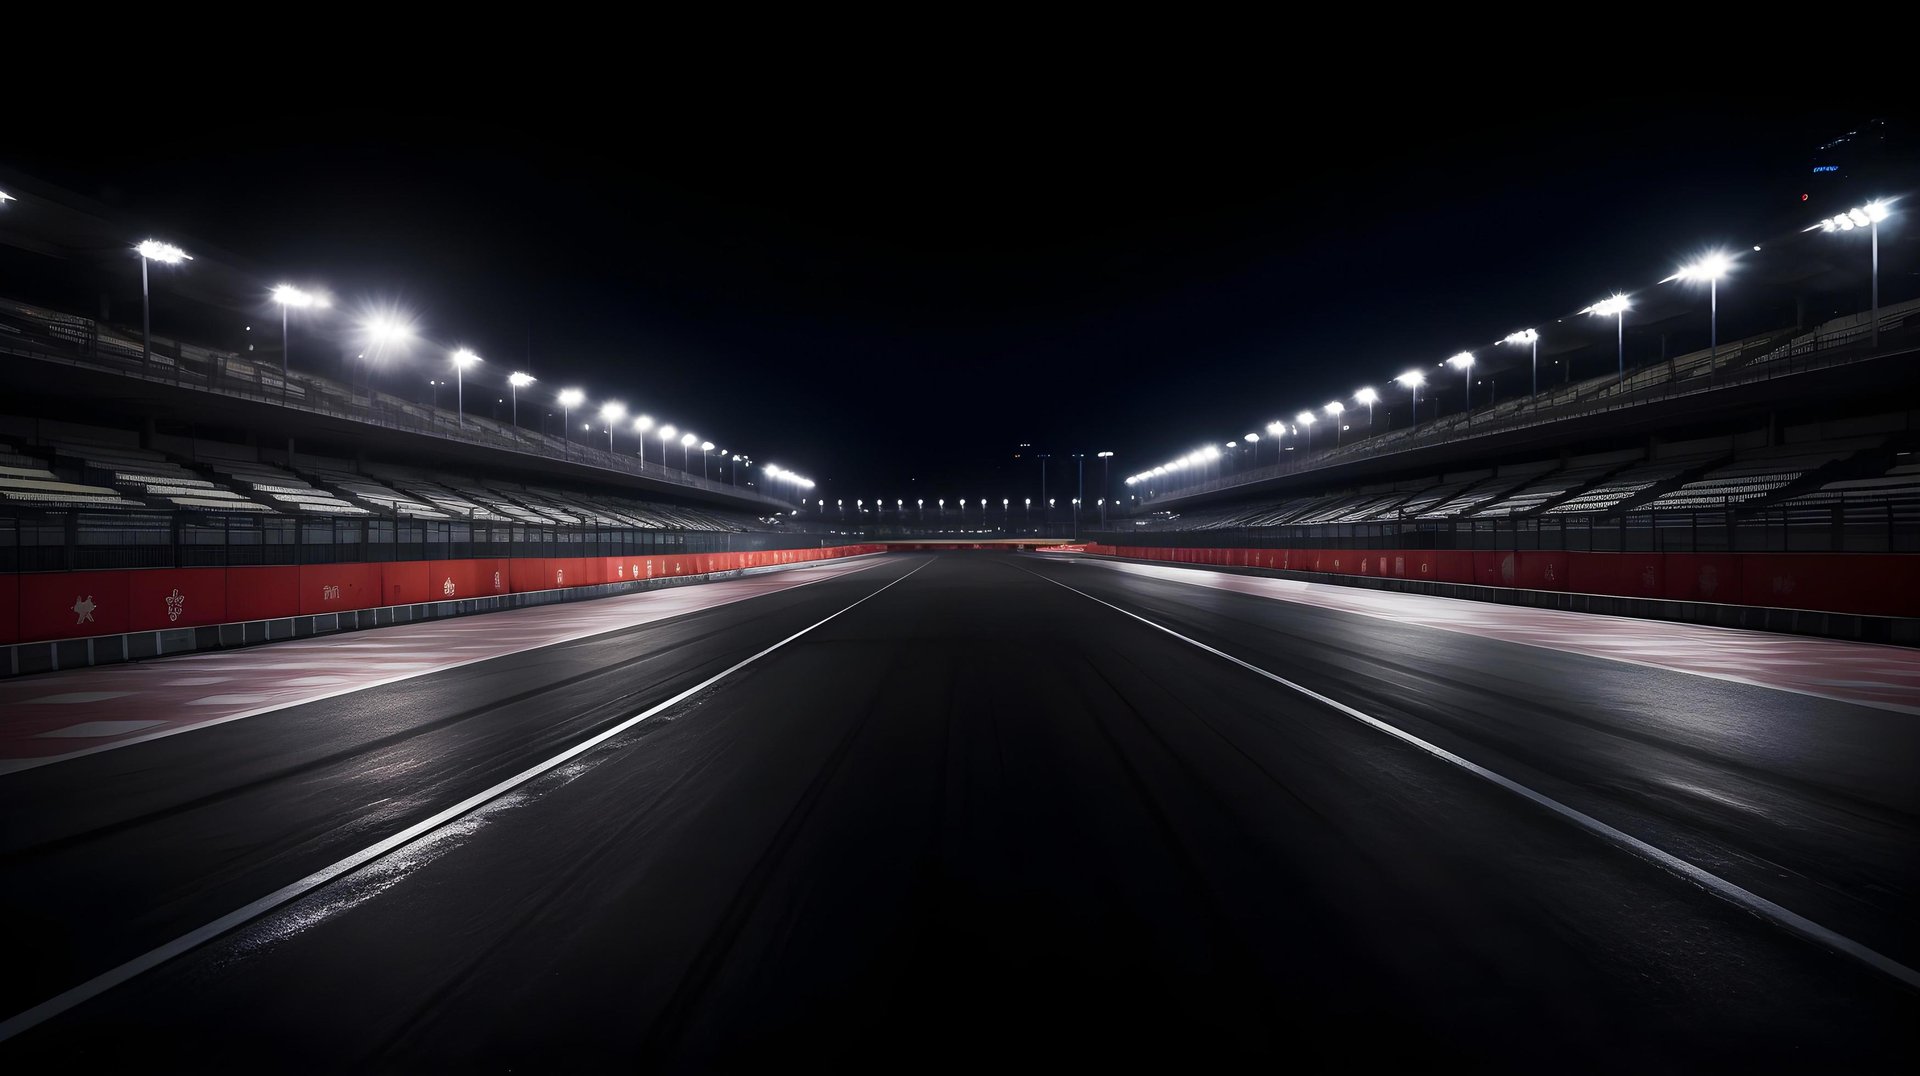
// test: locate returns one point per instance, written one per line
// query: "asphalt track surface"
(981, 816)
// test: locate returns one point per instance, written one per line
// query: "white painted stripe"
(1713, 883)
(193, 939)
(17, 765)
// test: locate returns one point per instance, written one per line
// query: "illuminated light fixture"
(1869, 217)
(288, 295)
(1531, 338)
(571, 398)
(1614, 306)
(153, 250)
(515, 382)
(519, 380)
(1412, 380)
(5, 198)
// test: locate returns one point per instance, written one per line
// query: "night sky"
(892, 299)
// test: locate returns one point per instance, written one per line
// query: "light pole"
(515, 382)
(289, 296)
(705, 447)
(1305, 418)
(685, 444)
(1369, 398)
(153, 250)
(1531, 339)
(1253, 446)
(641, 424)
(1869, 217)
(1106, 483)
(569, 399)
(1709, 268)
(1334, 410)
(1413, 379)
(461, 360)
(1463, 362)
(666, 436)
(612, 412)
(383, 331)
(1616, 307)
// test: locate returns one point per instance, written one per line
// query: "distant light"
(384, 329)
(643, 423)
(1412, 379)
(706, 446)
(519, 380)
(1253, 438)
(288, 295)
(613, 411)
(1103, 455)
(688, 441)
(1334, 409)
(464, 358)
(5, 198)
(1608, 307)
(1461, 361)
(1304, 418)
(571, 398)
(1756, 246)
(155, 251)
(1528, 336)
(1366, 397)
(1233, 444)
(667, 432)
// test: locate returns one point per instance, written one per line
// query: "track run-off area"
(956, 809)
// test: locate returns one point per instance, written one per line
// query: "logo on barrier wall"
(1783, 584)
(496, 580)
(1649, 579)
(1552, 573)
(559, 576)
(329, 592)
(176, 603)
(1399, 565)
(83, 608)
(447, 587)
(619, 571)
(635, 573)
(1506, 570)
(1709, 580)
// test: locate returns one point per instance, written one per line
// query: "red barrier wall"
(1870, 584)
(176, 598)
(72, 605)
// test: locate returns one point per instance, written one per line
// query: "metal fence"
(79, 541)
(30, 332)
(1840, 527)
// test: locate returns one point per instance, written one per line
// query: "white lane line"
(193, 939)
(598, 627)
(1177, 574)
(1713, 883)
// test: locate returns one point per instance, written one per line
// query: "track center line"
(1705, 879)
(153, 958)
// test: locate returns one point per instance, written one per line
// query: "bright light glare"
(1366, 397)
(613, 411)
(156, 251)
(1304, 418)
(1524, 336)
(464, 358)
(687, 441)
(1461, 361)
(643, 423)
(288, 295)
(706, 446)
(1335, 408)
(5, 198)
(386, 330)
(571, 398)
(1412, 379)
(667, 432)
(519, 380)
(1608, 307)
(1710, 267)
(1253, 438)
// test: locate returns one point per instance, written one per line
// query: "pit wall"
(48, 606)
(1859, 584)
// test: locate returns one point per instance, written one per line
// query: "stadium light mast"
(1869, 217)
(705, 448)
(1253, 445)
(1305, 418)
(1413, 379)
(1531, 339)
(614, 412)
(153, 250)
(1709, 268)
(666, 437)
(290, 297)
(1334, 410)
(1616, 307)
(1106, 483)
(569, 399)
(515, 382)
(1463, 362)
(641, 424)
(5, 198)
(685, 444)
(1368, 397)
(462, 359)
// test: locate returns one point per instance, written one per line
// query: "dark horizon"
(897, 319)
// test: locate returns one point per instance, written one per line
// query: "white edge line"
(1120, 563)
(21, 765)
(1752, 902)
(107, 980)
